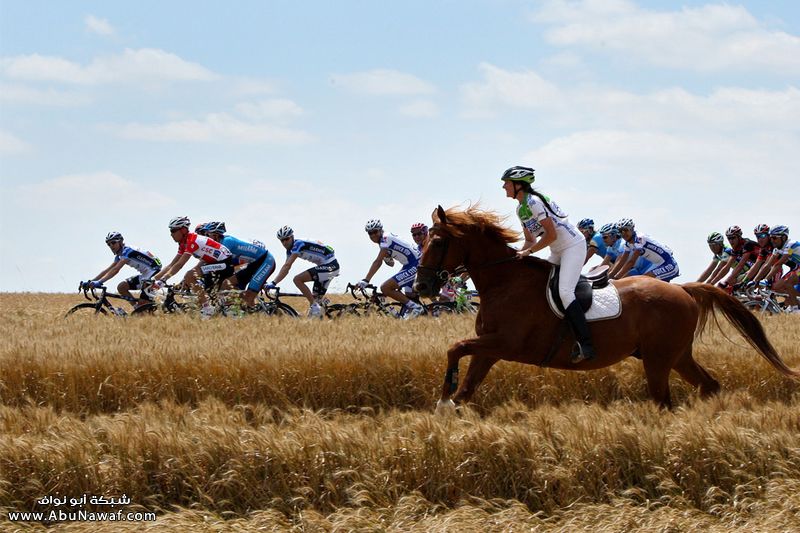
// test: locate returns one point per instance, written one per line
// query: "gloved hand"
(94, 284)
(269, 286)
(83, 285)
(362, 284)
(749, 284)
(765, 283)
(157, 285)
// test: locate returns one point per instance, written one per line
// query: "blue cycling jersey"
(615, 250)
(316, 252)
(597, 242)
(650, 249)
(242, 250)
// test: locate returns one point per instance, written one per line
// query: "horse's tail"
(711, 299)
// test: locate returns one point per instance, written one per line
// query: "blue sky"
(321, 115)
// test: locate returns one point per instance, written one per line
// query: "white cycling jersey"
(532, 212)
(653, 251)
(399, 250)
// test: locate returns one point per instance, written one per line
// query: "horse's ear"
(441, 214)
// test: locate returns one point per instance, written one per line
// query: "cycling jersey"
(765, 251)
(615, 250)
(243, 251)
(203, 248)
(597, 242)
(792, 249)
(146, 263)
(747, 252)
(399, 250)
(315, 252)
(723, 256)
(650, 249)
(532, 212)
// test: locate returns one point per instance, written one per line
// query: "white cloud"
(712, 37)
(98, 25)
(272, 108)
(83, 191)
(499, 87)
(145, 65)
(215, 127)
(383, 82)
(22, 94)
(11, 145)
(252, 87)
(420, 109)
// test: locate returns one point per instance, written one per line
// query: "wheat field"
(274, 424)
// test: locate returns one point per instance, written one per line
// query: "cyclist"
(663, 265)
(419, 232)
(719, 260)
(146, 263)
(616, 254)
(545, 225)
(594, 240)
(391, 246)
(325, 268)
(765, 258)
(215, 263)
(744, 253)
(787, 253)
(259, 262)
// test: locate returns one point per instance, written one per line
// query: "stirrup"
(578, 355)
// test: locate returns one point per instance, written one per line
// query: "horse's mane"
(462, 221)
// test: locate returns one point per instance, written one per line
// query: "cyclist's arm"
(721, 270)
(590, 251)
(731, 279)
(721, 274)
(376, 264)
(104, 272)
(622, 259)
(629, 264)
(111, 271)
(753, 270)
(708, 272)
(285, 269)
(173, 268)
(765, 268)
(606, 261)
(533, 246)
(777, 266)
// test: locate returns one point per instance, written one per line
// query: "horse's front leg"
(483, 349)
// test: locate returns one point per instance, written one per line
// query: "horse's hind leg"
(696, 375)
(479, 366)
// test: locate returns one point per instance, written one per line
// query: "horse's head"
(441, 256)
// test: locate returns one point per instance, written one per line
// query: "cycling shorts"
(322, 276)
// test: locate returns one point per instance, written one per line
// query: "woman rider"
(544, 224)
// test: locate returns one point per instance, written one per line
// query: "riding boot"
(583, 348)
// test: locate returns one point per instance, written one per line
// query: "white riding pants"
(571, 260)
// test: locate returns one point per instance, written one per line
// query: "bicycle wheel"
(88, 306)
(279, 309)
(759, 307)
(437, 309)
(340, 310)
(393, 309)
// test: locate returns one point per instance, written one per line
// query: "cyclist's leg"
(322, 276)
(391, 288)
(258, 279)
(300, 281)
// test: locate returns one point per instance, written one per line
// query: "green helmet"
(523, 174)
(715, 238)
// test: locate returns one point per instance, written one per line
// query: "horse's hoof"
(445, 408)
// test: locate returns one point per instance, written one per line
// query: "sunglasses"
(762, 235)
(417, 234)
(374, 232)
(775, 236)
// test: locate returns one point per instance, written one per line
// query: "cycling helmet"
(200, 229)
(761, 228)
(780, 230)
(114, 236)
(733, 230)
(285, 232)
(215, 227)
(715, 238)
(609, 228)
(419, 226)
(523, 174)
(625, 223)
(373, 225)
(586, 223)
(179, 222)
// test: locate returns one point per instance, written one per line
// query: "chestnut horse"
(658, 321)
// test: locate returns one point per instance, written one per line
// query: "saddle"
(597, 279)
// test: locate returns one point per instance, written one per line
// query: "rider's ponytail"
(530, 190)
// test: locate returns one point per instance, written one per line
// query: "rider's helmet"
(783, 231)
(114, 236)
(609, 229)
(733, 231)
(761, 229)
(200, 229)
(586, 223)
(285, 232)
(373, 225)
(179, 222)
(523, 174)
(419, 226)
(715, 238)
(625, 223)
(215, 227)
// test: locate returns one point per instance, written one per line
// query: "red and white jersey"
(203, 248)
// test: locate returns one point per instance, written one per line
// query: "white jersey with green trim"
(532, 211)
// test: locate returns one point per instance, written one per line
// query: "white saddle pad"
(606, 304)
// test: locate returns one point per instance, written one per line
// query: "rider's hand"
(157, 284)
(269, 286)
(749, 284)
(94, 284)
(362, 284)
